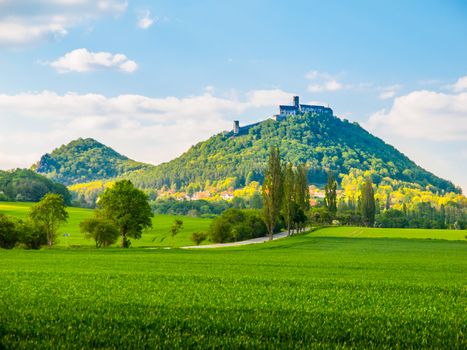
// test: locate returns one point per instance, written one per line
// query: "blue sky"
(151, 78)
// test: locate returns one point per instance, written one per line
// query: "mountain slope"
(85, 160)
(318, 139)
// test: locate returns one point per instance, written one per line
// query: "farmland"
(305, 291)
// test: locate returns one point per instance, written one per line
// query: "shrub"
(8, 232)
(236, 225)
(103, 231)
(31, 235)
(198, 237)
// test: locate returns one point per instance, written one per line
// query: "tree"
(256, 202)
(128, 209)
(272, 191)
(177, 225)
(49, 214)
(330, 195)
(8, 232)
(288, 203)
(103, 231)
(367, 203)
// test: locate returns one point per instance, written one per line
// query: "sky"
(152, 78)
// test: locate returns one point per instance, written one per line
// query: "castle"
(297, 108)
(285, 111)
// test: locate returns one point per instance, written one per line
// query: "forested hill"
(84, 160)
(321, 140)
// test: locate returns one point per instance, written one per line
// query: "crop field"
(300, 292)
(367, 232)
(158, 235)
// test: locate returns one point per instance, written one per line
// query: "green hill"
(320, 140)
(24, 185)
(84, 160)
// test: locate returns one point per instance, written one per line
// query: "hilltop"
(317, 138)
(85, 160)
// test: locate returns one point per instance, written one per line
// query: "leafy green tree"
(128, 208)
(103, 231)
(367, 203)
(49, 214)
(177, 225)
(288, 202)
(272, 191)
(330, 194)
(8, 232)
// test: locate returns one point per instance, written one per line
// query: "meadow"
(159, 235)
(300, 292)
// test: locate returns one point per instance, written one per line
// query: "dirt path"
(235, 244)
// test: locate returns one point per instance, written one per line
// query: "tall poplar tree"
(288, 203)
(330, 194)
(367, 204)
(272, 191)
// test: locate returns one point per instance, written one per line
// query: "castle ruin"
(286, 111)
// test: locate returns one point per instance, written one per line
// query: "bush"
(17, 232)
(236, 225)
(198, 237)
(31, 235)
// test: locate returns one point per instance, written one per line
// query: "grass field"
(158, 235)
(300, 292)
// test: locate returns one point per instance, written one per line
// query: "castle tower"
(236, 127)
(296, 102)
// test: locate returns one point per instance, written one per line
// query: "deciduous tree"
(49, 214)
(128, 208)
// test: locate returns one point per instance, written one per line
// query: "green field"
(367, 232)
(158, 235)
(300, 292)
(338, 287)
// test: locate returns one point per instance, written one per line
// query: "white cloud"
(322, 82)
(460, 84)
(143, 128)
(424, 115)
(388, 92)
(29, 21)
(145, 20)
(82, 60)
(263, 98)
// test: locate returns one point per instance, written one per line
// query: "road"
(235, 244)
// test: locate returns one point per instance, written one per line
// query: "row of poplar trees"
(366, 206)
(285, 194)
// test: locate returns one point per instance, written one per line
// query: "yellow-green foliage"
(397, 193)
